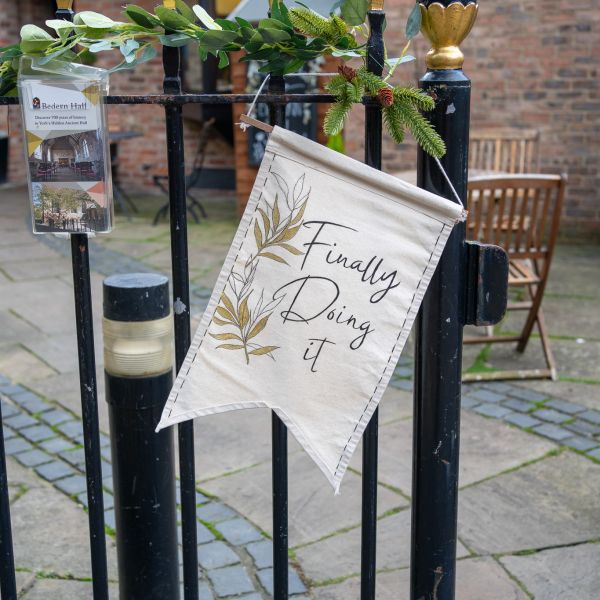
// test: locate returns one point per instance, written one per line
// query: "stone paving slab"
(61, 589)
(314, 511)
(569, 573)
(343, 550)
(61, 530)
(476, 579)
(488, 447)
(551, 502)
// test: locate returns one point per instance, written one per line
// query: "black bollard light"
(138, 363)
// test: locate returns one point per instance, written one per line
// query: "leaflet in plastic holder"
(66, 146)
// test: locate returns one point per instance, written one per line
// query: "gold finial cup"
(446, 27)
(64, 4)
(376, 5)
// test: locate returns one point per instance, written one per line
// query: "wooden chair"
(520, 213)
(505, 150)
(162, 180)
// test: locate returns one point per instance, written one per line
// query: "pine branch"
(393, 124)
(416, 97)
(370, 81)
(336, 85)
(427, 137)
(336, 117)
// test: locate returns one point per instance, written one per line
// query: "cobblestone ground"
(529, 514)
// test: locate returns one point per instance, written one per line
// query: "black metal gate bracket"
(487, 284)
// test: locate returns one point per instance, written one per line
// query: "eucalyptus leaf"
(215, 40)
(129, 47)
(413, 24)
(171, 19)
(33, 33)
(141, 17)
(394, 62)
(205, 18)
(185, 10)
(65, 54)
(243, 22)
(346, 53)
(100, 46)
(58, 24)
(94, 20)
(223, 59)
(34, 40)
(228, 25)
(280, 12)
(272, 36)
(354, 12)
(175, 40)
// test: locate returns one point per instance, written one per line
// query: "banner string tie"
(244, 126)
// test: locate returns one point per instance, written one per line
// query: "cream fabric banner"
(316, 298)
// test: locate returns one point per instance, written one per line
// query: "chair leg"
(545, 340)
(161, 212)
(190, 207)
(197, 204)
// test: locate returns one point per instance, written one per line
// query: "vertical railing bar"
(89, 398)
(181, 317)
(89, 411)
(279, 434)
(373, 126)
(8, 583)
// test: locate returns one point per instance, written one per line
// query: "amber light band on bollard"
(138, 349)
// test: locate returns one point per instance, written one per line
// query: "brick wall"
(533, 64)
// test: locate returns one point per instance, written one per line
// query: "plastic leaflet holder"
(66, 146)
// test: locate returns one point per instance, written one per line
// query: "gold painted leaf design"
(263, 350)
(291, 249)
(231, 346)
(300, 214)
(287, 235)
(227, 303)
(274, 257)
(244, 312)
(225, 336)
(225, 313)
(258, 327)
(266, 221)
(276, 215)
(258, 235)
(218, 321)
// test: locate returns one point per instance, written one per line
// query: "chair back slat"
(521, 213)
(505, 150)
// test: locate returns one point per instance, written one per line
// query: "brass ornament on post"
(376, 5)
(64, 4)
(446, 25)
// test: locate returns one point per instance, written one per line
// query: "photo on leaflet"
(77, 206)
(73, 157)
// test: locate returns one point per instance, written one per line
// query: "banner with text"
(316, 298)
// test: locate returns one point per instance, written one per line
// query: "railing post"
(279, 432)
(8, 585)
(138, 367)
(89, 390)
(439, 331)
(373, 130)
(181, 308)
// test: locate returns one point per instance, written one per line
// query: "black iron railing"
(437, 365)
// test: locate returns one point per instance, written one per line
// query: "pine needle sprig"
(422, 130)
(393, 123)
(371, 82)
(336, 116)
(418, 98)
